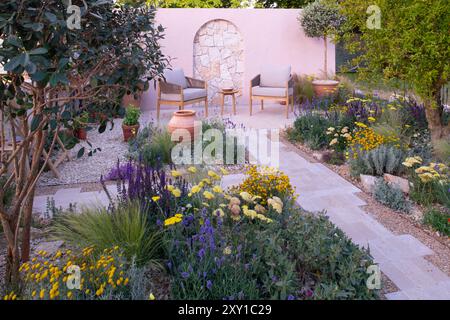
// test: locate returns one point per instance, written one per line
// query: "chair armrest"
(255, 81)
(195, 83)
(291, 82)
(169, 88)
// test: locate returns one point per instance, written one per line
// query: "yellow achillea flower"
(196, 189)
(170, 187)
(219, 212)
(227, 251)
(175, 173)
(217, 189)
(151, 297)
(213, 175)
(246, 196)
(208, 195)
(176, 192)
(173, 220)
(156, 198)
(224, 171)
(192, 169)
(411, 161)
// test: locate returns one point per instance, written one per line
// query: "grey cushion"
(188, 93)
(270, 91)
(176, 76)
(275, 76)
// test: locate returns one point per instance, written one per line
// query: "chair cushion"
(275, 76)
(176, 76)
(270, 91)
(188, 93)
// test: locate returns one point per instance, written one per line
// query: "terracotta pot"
(80, 133)
(183, 119)
(129, 132)
(324, 87)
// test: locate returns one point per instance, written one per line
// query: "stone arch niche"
(219, 56)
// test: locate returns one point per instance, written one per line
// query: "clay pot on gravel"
(183, 119)
(129, 132)
(324, 87)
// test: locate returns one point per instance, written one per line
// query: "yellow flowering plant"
(267, 182)
(65, 275)
(338, 138)
(429, 183)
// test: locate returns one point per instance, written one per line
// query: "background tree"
(115, 50)
(291, 4)
(412, 44)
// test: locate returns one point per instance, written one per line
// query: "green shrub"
(125, 227)
(391, 196)
(384, 159)
(153, 146)
(438, 220)
(310, 128)
(132, 115)
(430, 192)
(325, 255)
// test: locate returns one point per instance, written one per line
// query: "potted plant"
(79, 125)
(130, 124)
(321, 19)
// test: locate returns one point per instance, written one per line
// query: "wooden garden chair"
(274, 83)
(179, 90)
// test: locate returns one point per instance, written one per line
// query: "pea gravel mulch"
(88, 169)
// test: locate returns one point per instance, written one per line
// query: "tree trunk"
(325, 63)
(433, 112)
(12, 256)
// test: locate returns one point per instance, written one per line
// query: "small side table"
(231, 93)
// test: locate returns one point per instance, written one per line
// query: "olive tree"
(114, 50)
(407, 40)
(321, 19)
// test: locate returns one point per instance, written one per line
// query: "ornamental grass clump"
(125, 226)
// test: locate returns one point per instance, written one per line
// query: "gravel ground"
(396, 222)
(89, 169)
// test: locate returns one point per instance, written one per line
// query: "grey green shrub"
(391, 196)
(384, 159)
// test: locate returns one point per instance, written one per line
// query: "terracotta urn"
(324, 87)
(182, 119)
(129, 132)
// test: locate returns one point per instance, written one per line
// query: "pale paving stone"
(398, 295)
(359, 232)
(404, 246)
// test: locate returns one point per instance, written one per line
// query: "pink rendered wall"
(271, 36)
